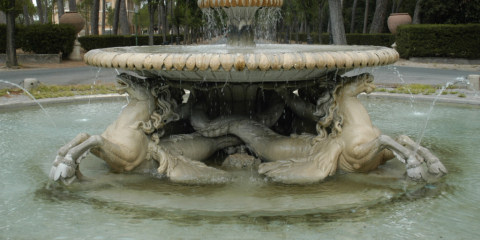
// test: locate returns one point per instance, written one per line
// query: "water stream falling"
(34, 99)
(429, 113)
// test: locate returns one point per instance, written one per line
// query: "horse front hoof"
(415, 170)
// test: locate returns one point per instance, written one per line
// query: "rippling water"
(131, 206)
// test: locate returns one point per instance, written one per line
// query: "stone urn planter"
(73, 18)
(397, 19)
(76, 20)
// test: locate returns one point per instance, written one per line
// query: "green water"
(131, 206)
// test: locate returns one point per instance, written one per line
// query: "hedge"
(41, 38)
(442, 40)
(385, 40)
(105, 41)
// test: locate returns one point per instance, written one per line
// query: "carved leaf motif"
(179, 61)
(215, 62)
(226, 61)
(157, 60)
(239, 63)
(310, 61)
(288, 60)
(264, 62)
(251, 63)
(190, 63)
(168, 62)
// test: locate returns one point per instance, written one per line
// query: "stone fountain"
(283, 110)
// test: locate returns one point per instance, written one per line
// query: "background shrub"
(442, 40)
(98, 41)
(384, 39)
(47, 38)
(19, 30)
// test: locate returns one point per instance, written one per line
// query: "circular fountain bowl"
(263, 63)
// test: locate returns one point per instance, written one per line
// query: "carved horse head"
(135, 87)
(352, 86)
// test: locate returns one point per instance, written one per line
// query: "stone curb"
(460, 61)
(34, 58)
(430, 98)
(95, 98)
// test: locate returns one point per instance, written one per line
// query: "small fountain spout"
(241, 15)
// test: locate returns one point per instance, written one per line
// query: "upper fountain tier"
(239, 3)
(220, 63)
(240, 17)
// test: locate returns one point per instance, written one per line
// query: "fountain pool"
(140, 206)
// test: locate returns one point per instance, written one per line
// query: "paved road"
(60, 76)
(87, 75)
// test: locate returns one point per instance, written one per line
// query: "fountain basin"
(219, 63)
(447, 208)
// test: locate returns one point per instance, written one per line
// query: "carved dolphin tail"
(220, 126)
(185, 170)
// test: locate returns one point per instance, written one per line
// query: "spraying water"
(422, 130)
(34, 99)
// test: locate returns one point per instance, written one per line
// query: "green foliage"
(459, 41)
(462, 95)
(451, 12)
(48, 38)
(101, 41)
(3, 40)
(110, 14)
(41, 39)
(105, 41)
(54, 91)
(415, 89)
(383, 39)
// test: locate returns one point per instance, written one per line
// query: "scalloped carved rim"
(258, 61)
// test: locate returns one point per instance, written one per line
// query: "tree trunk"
(40, 12)
(295, 28)
(286, 37)
(116, 16)
(167, 28)
(379, 16)
(10, 19)
(171, 17)
(352, 23)
(59, 7)
(338, 28)
(87, 29)
(124, 26)
(398, 5)
(104, 16)
(416, 14)
(94, 17)
(393, 6)
(321, 5)
(72, 5)
(163, 13)
(365, 18)
(26, 16)
(159, 17)
(45, 13)
(151, 18)
(3, 18)
(178, 35)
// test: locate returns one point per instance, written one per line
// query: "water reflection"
(143, 206)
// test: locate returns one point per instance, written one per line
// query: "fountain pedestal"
(244, 96)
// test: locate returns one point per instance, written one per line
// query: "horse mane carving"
(330, 123)
(163, 112)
